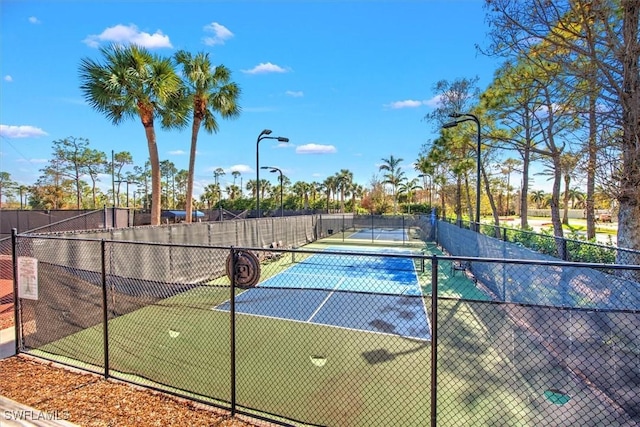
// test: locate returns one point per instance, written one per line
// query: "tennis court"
(378, 294)
(389, 234)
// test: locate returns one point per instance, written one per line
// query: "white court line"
(326, 299)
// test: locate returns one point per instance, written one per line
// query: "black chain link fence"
(341, 336)
(571, 247)
(57, 221)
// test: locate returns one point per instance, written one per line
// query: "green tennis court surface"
(307, 370)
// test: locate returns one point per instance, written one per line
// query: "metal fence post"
(17, 321)
(372, 235)
(105, 316)
(434, 340)
(403, 230)
(232, 330)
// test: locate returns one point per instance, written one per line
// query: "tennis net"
(335, 259)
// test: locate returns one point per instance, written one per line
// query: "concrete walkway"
(14, 414)
(7, 343)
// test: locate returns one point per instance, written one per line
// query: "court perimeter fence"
(508, 341)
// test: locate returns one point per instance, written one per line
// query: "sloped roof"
(180, 214)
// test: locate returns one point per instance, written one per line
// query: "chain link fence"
(335, 335)
(57, 221)
(567, 248)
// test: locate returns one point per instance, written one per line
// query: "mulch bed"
(90, 400)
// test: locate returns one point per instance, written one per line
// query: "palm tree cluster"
(131, 82)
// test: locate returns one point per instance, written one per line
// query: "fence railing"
(405, 336)
(568, 248)
(28, 221)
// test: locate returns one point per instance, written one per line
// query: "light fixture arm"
(466, 117)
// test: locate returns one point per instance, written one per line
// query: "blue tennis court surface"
(376, 294)
(380, 234)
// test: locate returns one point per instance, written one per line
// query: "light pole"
(273, 170)
(126, 181)
(216, 174)
(465, 117)
(263, 135)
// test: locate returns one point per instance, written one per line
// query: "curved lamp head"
(450, 125)
(283, 139)
(271, 169)
(265, 132)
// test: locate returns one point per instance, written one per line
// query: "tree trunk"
(524, 194)
(629, 198)
(565, 199)
(492, 203)
(195, 128)
(458, 206)
(156, 186)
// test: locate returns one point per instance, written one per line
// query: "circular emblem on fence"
(247, 269)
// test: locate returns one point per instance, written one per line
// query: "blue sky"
(348, 82)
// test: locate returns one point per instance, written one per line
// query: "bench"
(459, 266)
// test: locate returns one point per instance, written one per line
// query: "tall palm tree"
(357, 192)
(132, 82)
(210, 195)
(577, 198)
(343, 183)
(233, 191)
(409, 188)
(208, 91)
(329, 185)
(235, 175)
(301, 190)
(393, 176)
(252, 187)
(538, 197)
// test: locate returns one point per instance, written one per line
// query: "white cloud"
(241, 168)
(220, 34)
(408, 103)
(128, 35)
(34, 20)
(177, 152)
(20, 131)
(294, 94)
(434, 102)
(31, 161)
(315, 149)
(265, 67)
(8, 78)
